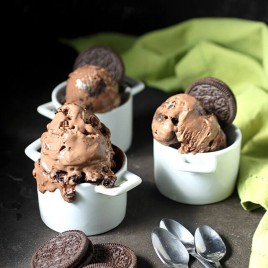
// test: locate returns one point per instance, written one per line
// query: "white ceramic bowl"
(118, 120)
(95, 210)
(198, 179)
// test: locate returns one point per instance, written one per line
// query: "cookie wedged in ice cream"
(102, 56)
(182, 121)
(94, 88)
(76, 148)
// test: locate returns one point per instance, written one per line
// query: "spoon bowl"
(169, 249)
(209, 244)
(186, 238)
(179, 231)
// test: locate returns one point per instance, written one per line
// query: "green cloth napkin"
(233, 50)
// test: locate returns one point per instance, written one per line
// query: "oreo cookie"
(112, 255)
(69, 249)
(216, 97)
(99, 265)
(104, 57)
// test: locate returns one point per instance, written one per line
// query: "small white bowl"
(95, 210)
(198, 179)
(118, 120)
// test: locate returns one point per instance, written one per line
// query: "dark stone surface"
(34, 64)
(21, 228)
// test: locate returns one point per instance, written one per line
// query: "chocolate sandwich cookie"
(216, 97)
(99, 265)
(69, 249)
(103, 57)
(114, 255)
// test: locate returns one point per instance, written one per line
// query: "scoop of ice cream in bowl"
(82, 178)
(98, 83)
(195, 145)
(94, 88)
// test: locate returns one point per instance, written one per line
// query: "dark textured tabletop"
(32, 70)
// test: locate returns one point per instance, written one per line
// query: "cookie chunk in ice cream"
(182, 121)
(94, 88)
(76, 148)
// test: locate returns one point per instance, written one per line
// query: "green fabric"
(233, 50)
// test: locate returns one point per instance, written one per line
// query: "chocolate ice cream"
(94, 88)
(182, 121)
(76, 148)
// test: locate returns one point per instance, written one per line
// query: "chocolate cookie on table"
(216, 97)
(112, 255)
(99, 265)
(69, 249)
(104, 57)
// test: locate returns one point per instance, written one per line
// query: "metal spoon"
(169, 249)
(187, 239)
(209, 244)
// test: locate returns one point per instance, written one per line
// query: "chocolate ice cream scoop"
(94, 88)
(181, 120)
(76, 148)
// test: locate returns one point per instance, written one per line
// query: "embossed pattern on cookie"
(104, 57)
(216, 97)
(113, 254)
(68, 249)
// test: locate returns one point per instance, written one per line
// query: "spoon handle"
(205, 263)
(218, 265)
